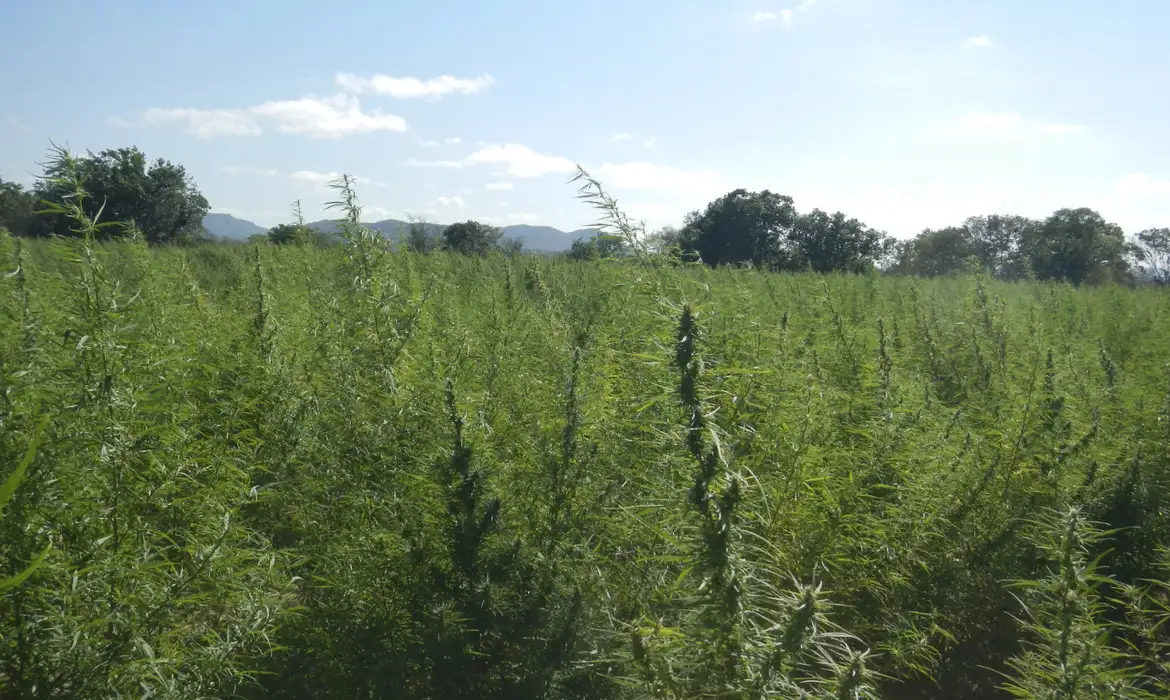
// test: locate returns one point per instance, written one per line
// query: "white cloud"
(455, 201)
(981, 124)
(312, 177)
(521, 161)
(500, 186)
(407, 88)
(321, 180)
(206, 123)
(233, 170)
(977, 42)
(785, 16)
(640, 175)
(626, 136)
(433, 143)
(325, 118)
(419, 163)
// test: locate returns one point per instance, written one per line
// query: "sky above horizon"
(906, 114)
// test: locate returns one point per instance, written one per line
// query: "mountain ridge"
(534, 237)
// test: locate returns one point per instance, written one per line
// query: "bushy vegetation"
(302, 472)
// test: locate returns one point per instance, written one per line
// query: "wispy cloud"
(207, 123)
(500, 186)
(435, 143)
(324, 118)
(315, 178)
(624, 136)
(982, 124)
(422, 163)
(517, 161)
(455, 201)
(328, 118)
(520, 161)
(977, 42)
(784, 16)
(409, 88)
(234, 170)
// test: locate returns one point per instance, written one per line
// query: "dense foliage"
(159, 200)
(300, 472)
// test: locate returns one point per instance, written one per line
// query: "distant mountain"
(228, 226)
(540, 237)
(536, 238)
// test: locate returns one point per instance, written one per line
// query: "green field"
(281, 472)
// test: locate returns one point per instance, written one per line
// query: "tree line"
(765, 230)
(160, 201)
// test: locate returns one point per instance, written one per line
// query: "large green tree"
(937, 252)
(1152, 250)
(422, 236)
(830, 242)
(160, 198)
(1077, 245)
(995, 240)
(471, 237)
(17, 208)
(290, 234)
(740, 227)
(598, 247)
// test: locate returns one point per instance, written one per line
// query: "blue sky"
(903, 113)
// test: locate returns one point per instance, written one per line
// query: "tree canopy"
(17, 208)
(1077, 245)
(1152, 250)
(159, 198)
(764, 229)
(471, 237)
(827, 242)
(936, 252)
(290, 234)
(740, 227)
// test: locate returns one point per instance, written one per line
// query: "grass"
(285, 472)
